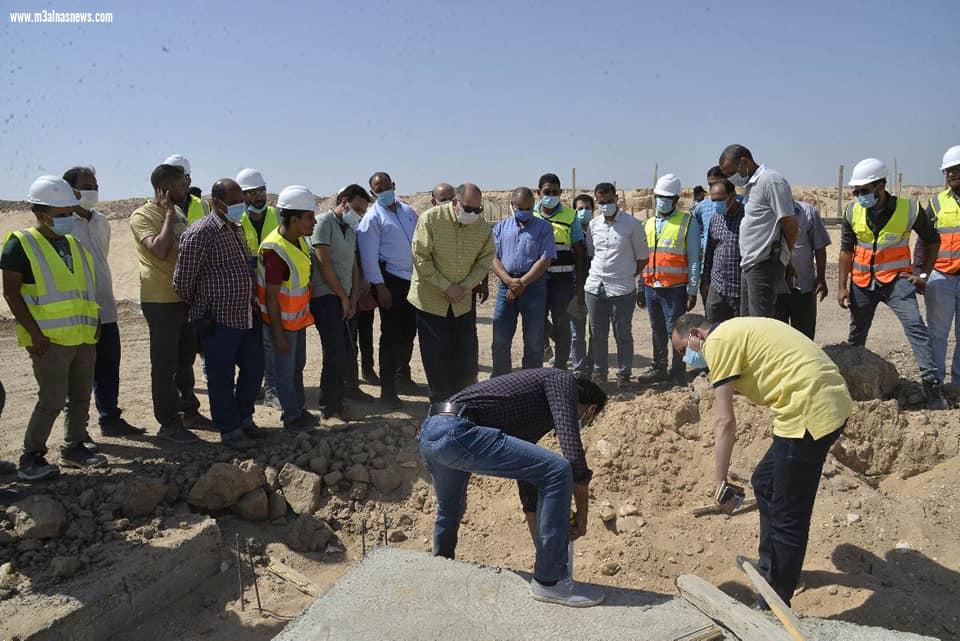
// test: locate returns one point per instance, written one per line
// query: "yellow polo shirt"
(776, 366)
(447, 252)
(156, 275)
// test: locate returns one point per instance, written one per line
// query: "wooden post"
(896, 172)
(899, 184)
(840, 193)
(573, 185)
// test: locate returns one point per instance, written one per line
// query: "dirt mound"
(869, 376)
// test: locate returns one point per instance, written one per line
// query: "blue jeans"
(453, 448)
(106, 373)
(580, 353)
(335, 340)
(269, 360)
(901, 297)
(664, 306)
(560, 291)
(943, 310)
(532, 306)
(234, 373)
(289, 375)
(601, 309)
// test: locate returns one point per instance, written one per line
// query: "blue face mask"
(256, 210)
(549, 202)
(523, 216)
(720, 207)
(584, 216)
(867, 200)
(609, 210)
(693, 358)
(63, 225)
(738, 180)
(387, 198)
(235, 212)
(664, 205)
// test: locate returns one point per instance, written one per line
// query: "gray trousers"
(759, 286)
(719, 308)
(64, 379)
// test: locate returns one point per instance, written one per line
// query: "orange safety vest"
(668, 251)
(946, 210)
(294, 297)
(884, 255)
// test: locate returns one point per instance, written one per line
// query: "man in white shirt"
(617, 242)
(92, 229)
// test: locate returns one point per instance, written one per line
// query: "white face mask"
(466, 218)
(351, 217)
(89, 198)
(609, 209)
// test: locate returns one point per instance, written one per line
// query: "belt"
(448, 409)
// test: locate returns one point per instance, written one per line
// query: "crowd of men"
(240, 282)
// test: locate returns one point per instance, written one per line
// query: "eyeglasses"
(952, 171)
(859, 191)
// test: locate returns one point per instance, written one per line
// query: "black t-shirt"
(258, 225)
(14, 259)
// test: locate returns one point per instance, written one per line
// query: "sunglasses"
(473, 210)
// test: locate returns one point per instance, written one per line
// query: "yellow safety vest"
(947, 211)
(196, 210)
(63, 303)
(886, 254)
(294, 295)
(668, 264)
(250, 232)
(562, 220)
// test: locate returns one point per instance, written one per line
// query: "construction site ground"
(884, 549)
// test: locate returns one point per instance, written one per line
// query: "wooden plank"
(744, 623)
(781, 609)
(747, 506)
(709, 633)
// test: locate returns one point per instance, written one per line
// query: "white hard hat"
(178, 160)
(951, 158)
(297, 197)
(52, 191)
(667, 185)
(867, 171)
(250, 179)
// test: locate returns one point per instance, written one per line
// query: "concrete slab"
(99, 605)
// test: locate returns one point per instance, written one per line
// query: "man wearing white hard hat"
(671, 277)
(49, 284)
(259, 219)
(768, 231)
(943, 287)
(92, 229)
(192, 205)
(283, 294)
(875, 256)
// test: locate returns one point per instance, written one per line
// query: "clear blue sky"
(496, 91)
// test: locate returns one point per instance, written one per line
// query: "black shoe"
(178, 434)
(9, 497)
(33, 467)
(7, 467)
(370, 376)
(306, 422)
(252, 430)
(391, 401)
(196, 420)
(652, 375)
(357, 394)
(623, 383)
(933, 391)
(679, 379)
(238, 440)
(118, 427)
(409, 388)
(80, 456)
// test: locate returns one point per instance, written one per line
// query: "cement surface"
(399, 595)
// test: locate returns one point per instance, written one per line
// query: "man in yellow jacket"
(48, 282)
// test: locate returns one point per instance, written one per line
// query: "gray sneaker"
(567, 592)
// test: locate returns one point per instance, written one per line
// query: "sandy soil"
(883, 550)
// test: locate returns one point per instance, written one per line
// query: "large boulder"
(37, 517)
(301, 489)
(386, 480)
(223, 485)
(253, 506)
(868, 375)
(140, 496)
(308, 533)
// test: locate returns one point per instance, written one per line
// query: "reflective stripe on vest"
(63, 303)
(250, 232)
(196, 210)
(562, 220)
(946, 211)
(294, 296)
(885, 254)
(668, 265)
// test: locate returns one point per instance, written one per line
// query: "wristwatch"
(924, 276)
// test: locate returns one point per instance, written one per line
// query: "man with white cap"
(92, 229)
(283, 294)
(768, 231)
(943, 287)
(259, 219)
(192, 205)
(875, 255)
(48, 282)
(671, 276)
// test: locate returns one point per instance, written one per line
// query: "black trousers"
(398, 328)
(785, 484)
(448, 349)
(719, 308)
(799, 311)
(173, 348)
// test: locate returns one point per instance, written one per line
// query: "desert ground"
(883, 549)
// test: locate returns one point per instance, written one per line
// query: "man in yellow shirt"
(775, 366)
(452, 252)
